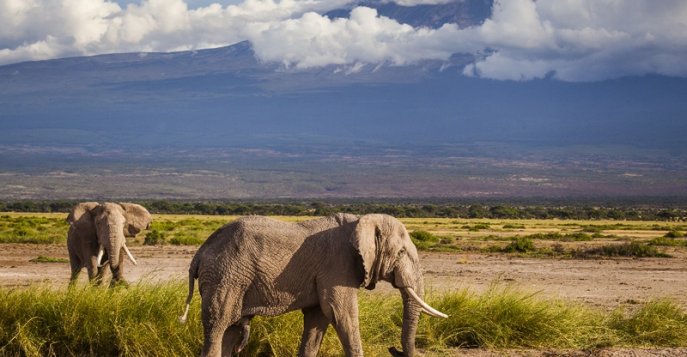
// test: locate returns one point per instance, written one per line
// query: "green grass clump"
(632, 249)
(44, 259)
(658, 323)
(476, 227)
(31, 229)
(139, 320)
(423, 236)
(674, 234)
(520, 245)
(506, 318)
(426, 241)
(513, 226)
(592, 229)
(569, 237)
(185, 231)
(668, 242)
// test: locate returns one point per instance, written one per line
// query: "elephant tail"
(192, 275)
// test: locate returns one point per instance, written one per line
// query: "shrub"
(423, 236)
(513, 226)
(154, 237)
(44, 259)
(632, 249)
(674, 234)
(592, 229)
(657, 323)
(520, 245)
(668, 242)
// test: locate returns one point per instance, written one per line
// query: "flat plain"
(565, 260)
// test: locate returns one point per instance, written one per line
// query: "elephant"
(97, 231)
(261, 266)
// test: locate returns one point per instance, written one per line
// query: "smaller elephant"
(97, 232)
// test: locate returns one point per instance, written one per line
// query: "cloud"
(420, 2)
(572, 40)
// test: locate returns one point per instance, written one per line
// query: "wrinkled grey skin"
(261, 266)
(93, 224)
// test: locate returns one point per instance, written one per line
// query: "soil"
(602, 283)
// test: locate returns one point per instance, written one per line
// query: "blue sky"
(569, 40)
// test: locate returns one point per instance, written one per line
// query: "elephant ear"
(367, 239)
(83, 212)
(137, 218)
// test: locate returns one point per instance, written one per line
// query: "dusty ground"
(598, 282)
(605, 283)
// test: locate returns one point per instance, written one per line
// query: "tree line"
(398, 209)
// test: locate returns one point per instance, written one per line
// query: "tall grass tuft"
(505, 318)
(657, 323)
(138, 320)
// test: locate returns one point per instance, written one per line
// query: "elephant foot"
(396, 353)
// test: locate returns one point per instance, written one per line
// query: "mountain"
(218, 123)
(463, 13)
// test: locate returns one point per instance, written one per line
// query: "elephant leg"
(92, 268)
(230, 340)
(220, 314)
(75, 264)
(315, 325)
(340, 305)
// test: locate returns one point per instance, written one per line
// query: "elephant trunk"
(411, 317)
(114, 246)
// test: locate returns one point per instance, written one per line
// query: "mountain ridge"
(221, 122)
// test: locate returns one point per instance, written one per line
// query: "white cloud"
(568, 39)
(420, 2)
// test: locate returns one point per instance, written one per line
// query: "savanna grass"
(142, 320)
(33, 229)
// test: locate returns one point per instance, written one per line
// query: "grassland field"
(565, 287)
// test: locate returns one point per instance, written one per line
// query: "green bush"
(659, 323)
(29, 229)
(632, 249)
(423, 236)
(520, 245)
(513, 226)
(44, 259)
(668, 242)
(592, 229)
(154, 237)
(674, 234)
(569, 237)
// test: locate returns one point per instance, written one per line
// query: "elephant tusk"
(425, 307)
(101, 252)
(128, 253)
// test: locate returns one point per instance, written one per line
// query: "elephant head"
(387, 253)
(80, 215)
(114, 222)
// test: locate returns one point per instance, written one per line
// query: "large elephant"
(261, 266)
(97, 232)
